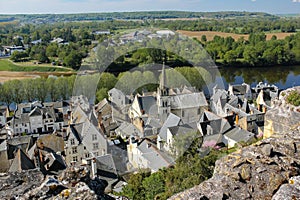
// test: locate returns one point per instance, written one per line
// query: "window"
(96, 154)
(74, 150)
(74, 159)
(87, 155)
(95, 146)
(183, 113)
(94, 137)
(72, 141)
(198, 112)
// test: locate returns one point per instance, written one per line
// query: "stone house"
(145, 155)
(4, 114)
(84, 141)
(237, 135)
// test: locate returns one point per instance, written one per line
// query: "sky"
(83, 6)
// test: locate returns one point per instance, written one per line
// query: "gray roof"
(208, 116)
(35, 112)
(3, 146)
(238, 135)
(156, 158)
(76, 130)
(180, 130)
(21, 162)
(212, 140)
(21, 108)
(128, 129)
(239, 89)
(152, 122)
(172, 120)
(188, 101)
(218, 124)
(148, 104)
(220, 94)
(106, 163)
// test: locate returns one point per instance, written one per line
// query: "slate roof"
(76, 130)
(180, 130)
(21, 162)
(237, 134)
(219, 94)
(188, 101)
(208, 116)
(22, 108)
(172, 120)
(156, 158)
(212, 140)
(106, 163)
(148, 104)
(35, 112)
(128, 129)
(217, 124)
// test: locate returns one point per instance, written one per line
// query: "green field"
(7, 65)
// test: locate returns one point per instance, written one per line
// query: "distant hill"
(289, 15)
(48, 18)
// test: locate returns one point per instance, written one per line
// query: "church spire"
(162, 78)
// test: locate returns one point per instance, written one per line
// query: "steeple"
(162, 89)
(162, 78)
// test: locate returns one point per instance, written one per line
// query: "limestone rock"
(253, 172)
(289, 191)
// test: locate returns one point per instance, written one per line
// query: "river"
(281, 76)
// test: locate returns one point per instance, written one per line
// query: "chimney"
(236, 119)
(94, 168)
(264, 109)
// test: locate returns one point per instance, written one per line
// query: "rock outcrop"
(73, 183)
(254, 172)
(283, 117)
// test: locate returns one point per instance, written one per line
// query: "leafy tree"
(73, 60)
(101, 94)
(154, 185)
(18, 56)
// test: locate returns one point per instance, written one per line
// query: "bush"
(294, 98)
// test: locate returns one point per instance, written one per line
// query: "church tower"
(163, 99)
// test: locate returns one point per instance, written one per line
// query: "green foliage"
(36, 89)
(189, 170)
(6, 65)
(101, 94)
(73, 60)
(293, 98)
(18, 56)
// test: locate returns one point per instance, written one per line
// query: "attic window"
(95, 146)
(74, 150)
(94, 137)
(75, 159)
(72, 142)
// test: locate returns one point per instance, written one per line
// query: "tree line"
(39, 18)
(256, 51)
(237, 26)
(41, 89)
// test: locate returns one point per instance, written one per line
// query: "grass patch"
(6, 65)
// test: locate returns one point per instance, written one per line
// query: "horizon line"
(131, 11)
